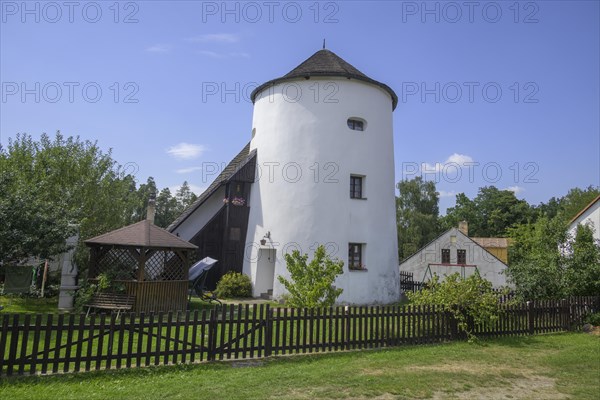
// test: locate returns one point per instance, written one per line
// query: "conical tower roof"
(325, 63)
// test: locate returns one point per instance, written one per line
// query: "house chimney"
(151, 211)
(463, 226)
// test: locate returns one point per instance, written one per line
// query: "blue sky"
(507, 91)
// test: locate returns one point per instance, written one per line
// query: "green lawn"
(31, 305)
(28, 305)
(559, 366)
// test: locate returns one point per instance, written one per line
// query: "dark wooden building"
(218, 221)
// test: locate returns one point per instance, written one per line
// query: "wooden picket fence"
(49, 344)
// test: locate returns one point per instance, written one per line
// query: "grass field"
(28, 305)
(559, 366)
(31, 305)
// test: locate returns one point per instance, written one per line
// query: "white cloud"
(516, 189)
(186, 151)
(188, 170)
(444, 193)
(213, 54)
(461, 159)
(158, 48)
(454, 159)
(431, 168)
(215, 38)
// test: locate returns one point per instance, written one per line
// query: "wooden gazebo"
(150, 262)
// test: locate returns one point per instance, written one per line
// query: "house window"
(356, 187)
(356, 124)
(355, 259)
(461, 256)
(445, 256)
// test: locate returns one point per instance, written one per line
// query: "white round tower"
(325, 175)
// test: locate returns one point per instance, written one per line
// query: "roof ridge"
(236, 163)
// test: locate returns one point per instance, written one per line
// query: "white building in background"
(319, 169)
(455, 252)
(590, 216)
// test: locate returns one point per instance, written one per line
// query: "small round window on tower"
(357, 124)
(253, 132)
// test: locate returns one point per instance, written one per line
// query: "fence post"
(564, 314)
(212, 335)
(347, 327)
(531, 317)
(268, 331)
(453, 325)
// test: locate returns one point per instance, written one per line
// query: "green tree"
(166, 208)
(464, 210)
(546, 263)
(312, 284)
(490, 213)
(185, 197)
(583, 263)
(576, 199)
(417, 213)
(570, 204)
(549, 209)
(536, 261)
(29, 227)
(63, 181)
(142, 197)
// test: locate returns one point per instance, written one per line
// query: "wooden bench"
(111, 301)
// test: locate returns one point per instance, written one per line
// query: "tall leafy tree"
(547, 263)
(185, 197)
(465, 209)
(536, 261)
(142, 197)
(29, 227)
(569, 205)
(583, 263)
(417, 213)
(167, 208)
(60, 181)
(490, 213)
(576, 199)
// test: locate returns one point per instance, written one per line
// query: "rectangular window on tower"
(445, 256)
(357, 184)
(461, 256)
(355, 256)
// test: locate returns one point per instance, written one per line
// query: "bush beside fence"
(49, 344)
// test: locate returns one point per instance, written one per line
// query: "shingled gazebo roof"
(325, 63)
(141, 234)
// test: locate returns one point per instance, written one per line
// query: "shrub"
(311, 284)
(84, 295)
(466, 299)
(593, 319)
(234, 284)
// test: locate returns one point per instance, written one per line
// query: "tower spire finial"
(323, 43)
